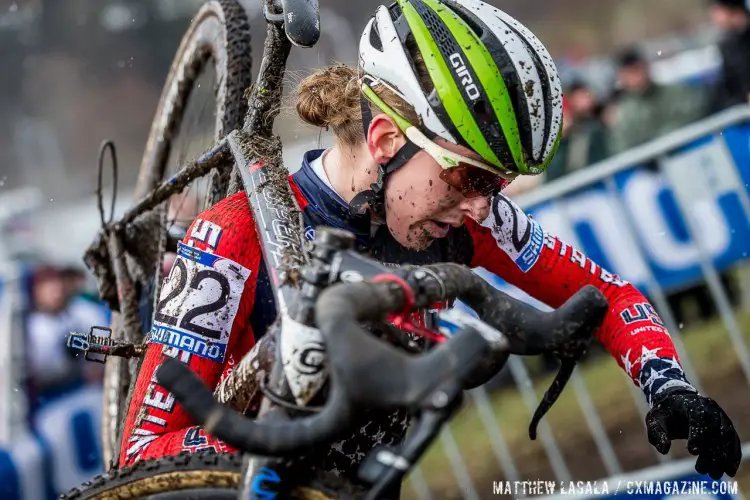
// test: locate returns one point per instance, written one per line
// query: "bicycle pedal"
(90, 341)
(379, 461)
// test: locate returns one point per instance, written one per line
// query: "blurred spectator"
(584, 139)
(56, 311)
(75, 280)
(581, 100)
(733, 86)
(606, 110)
(647, 110)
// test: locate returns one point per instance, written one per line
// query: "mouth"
(436, 229)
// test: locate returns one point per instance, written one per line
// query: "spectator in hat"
(733, 85)
(647, 110)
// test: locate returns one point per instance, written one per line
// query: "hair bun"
(329, 97)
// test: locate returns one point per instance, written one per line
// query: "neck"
(351, 170)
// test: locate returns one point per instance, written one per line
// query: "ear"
(384, 138)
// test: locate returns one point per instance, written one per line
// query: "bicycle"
(307, 287)
(430, 386)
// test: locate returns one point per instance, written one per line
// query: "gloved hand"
(709, 431)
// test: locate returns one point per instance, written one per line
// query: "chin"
(419, 246)
(417, 239)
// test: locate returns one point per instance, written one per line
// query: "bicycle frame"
(256, 155)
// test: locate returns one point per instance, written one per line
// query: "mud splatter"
(276, 187)
(528, 88)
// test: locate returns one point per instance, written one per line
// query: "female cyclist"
(451, 101)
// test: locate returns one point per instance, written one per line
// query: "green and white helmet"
(496, 88)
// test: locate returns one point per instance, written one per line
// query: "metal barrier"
(670, 214)
(13, 403)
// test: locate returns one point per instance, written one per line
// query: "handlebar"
(273, 436)
(366, 372)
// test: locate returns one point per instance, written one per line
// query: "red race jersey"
(217, 299)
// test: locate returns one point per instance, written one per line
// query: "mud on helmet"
(495, 88)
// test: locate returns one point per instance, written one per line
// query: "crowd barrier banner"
(711, 174)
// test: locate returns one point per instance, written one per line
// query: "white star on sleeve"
(627, 364)
(673, 363)
(654, 376)
(647, 355)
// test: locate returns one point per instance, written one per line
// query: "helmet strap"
(374, 198)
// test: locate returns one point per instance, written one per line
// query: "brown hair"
(330, 99)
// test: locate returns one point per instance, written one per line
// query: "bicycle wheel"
(219, 33)
(199, 476)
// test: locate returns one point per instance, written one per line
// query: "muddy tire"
(199, 476)
(219, 33)
(196, 476)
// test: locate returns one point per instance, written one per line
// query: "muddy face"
(420, 207)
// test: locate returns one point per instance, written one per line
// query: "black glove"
(709, 431)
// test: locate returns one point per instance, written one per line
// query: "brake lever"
(567, 365)
(569, 353)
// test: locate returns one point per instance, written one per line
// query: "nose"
(477, 208)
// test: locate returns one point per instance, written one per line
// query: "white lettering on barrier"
(641, 194)
(699, 177)
(554, 221)
(597, 210)
(712, 226)
(702, 173)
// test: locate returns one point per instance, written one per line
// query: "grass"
(608, 386)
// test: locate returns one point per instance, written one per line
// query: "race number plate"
(198, 303)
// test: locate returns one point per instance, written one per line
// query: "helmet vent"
(375, 37)
(480, 109)
(459, 10)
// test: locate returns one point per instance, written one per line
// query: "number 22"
(187, 320)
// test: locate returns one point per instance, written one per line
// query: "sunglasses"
(472, 178)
